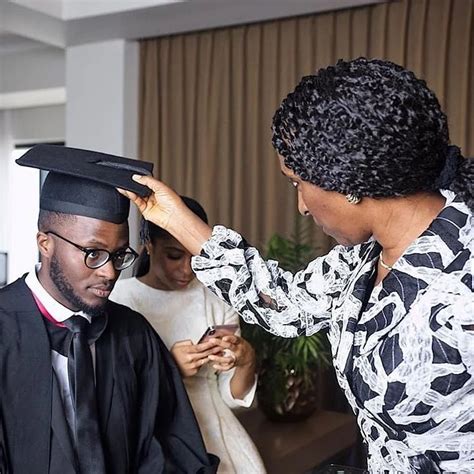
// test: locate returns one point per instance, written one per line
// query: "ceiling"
(74, 9)
(11, 43)
(29, 24)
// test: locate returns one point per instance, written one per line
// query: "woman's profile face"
(170, 264)
(345, 222)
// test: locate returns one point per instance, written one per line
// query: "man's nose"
(108, 271)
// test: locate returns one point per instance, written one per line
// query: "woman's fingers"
(160, 189)
(149, 181)
(192, 356)
(205, 354)
(226, 344)
(223, 359)
(137, 200)
(185, 342)
(218, 341)
(162, 203)
(195, 354)
(204, 346)
(238, 347)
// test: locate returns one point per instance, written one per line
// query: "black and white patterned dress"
(404, 356)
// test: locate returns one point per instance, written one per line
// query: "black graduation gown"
(145, 417)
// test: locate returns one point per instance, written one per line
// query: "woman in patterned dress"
(366, 146)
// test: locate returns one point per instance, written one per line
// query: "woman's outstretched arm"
(259, 290)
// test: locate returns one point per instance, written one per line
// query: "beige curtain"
(207, 98)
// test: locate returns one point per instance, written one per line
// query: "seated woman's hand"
(191, 357)
(236, 352)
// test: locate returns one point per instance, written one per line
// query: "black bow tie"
(60, 336)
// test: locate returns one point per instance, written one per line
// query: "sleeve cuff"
(220, 235)
(228, 398)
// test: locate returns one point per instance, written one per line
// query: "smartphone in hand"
(219, 330)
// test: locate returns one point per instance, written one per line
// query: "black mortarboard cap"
(83, 182)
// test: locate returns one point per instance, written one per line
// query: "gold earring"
(352, 198)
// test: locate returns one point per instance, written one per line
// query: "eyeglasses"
(96, 258)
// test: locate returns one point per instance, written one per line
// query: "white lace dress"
(185, 314)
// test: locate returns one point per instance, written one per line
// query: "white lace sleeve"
(284, 304)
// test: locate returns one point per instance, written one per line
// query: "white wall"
(19, 187)
(102, 106)
(38, 124)
(24, 76)
(38, 68)
(23, 194)
(6, 146)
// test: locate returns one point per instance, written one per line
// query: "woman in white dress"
(219, 374)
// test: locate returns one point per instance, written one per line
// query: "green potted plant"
(288, 368)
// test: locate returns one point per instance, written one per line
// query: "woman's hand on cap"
(167, 210)
(159, 206)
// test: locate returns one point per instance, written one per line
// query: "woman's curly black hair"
(370, 128)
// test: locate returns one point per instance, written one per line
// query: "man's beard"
(62, 284)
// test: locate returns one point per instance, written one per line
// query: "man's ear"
(45, 244)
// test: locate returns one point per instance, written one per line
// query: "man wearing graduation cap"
(86, 385)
